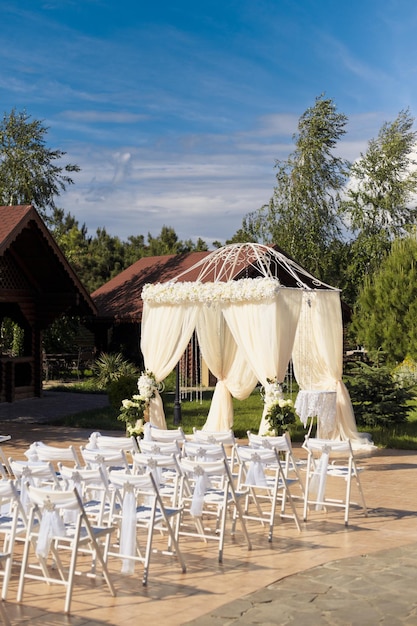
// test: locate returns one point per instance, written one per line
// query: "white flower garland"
(244, 290)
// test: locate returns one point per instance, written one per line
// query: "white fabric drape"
(166, 331)
(318, 356)
(265, 332)
(227, 362)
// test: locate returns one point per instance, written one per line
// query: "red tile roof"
(120, 298)
(23, 231)
(12, 220)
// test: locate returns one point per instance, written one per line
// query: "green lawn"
(247, 416)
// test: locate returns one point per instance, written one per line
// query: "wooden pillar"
(37, 373)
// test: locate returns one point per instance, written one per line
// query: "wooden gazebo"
(37, 286)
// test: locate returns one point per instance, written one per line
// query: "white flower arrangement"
(243, 290)
(280, 412)
(132, 413)
(133, 410)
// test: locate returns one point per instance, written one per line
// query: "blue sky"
(177, 111)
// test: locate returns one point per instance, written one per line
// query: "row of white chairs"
(118, 490)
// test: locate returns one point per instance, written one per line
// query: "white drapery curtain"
(265, 332)
(318, 356)
(166, 331)
(227, 362)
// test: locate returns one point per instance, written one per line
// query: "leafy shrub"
(109, 367)
(120, 389)
(378, 399)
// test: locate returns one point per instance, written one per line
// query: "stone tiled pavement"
(365, 590)
(364, 574)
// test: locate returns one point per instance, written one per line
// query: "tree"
(386, 309)
(378, 203)
(29, 170)
(105, 259)
(302, 216)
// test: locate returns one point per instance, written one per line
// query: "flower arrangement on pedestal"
(134, 410)
(280, 412)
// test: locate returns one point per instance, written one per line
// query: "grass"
(247, 416)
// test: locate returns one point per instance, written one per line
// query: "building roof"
(120, 298)
(33, 267)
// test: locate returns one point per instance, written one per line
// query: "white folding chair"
(161, 435)
(112, 442)
(139, 512)
(208, 496)
(13, 522)
(108, 459)
(262, 475)
(330, 459)
(282, 444)
(224, 437)
(202, 451)
(35, 473)
(54, 454)
(166, 448)
(94, 490)
(48, 533)
(5, 471)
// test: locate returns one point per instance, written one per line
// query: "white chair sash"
(128, 530)
(319, 478)
(200, 488)
(92, 441)
(70, 515)
(256, 474)
(51, 526)
(156, 471)
(31, 453)
(24, 480)
(147, 432)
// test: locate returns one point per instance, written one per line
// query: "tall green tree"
(379, 200)
(302, 216)
(105, 259)
(167, 242)
(386, 310)
(30, 172)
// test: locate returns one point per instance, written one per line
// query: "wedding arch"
(253, 309)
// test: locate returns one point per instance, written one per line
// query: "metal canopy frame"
(235, 261)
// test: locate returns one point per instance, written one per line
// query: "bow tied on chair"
(256, 474)
(200, 488)
(51, 526)
(153, 466)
